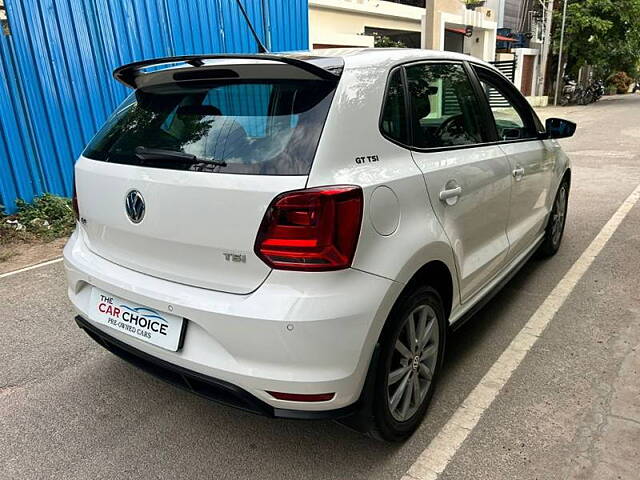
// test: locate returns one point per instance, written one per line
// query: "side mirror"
(559, 128)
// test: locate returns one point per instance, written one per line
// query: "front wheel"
(555, 226)
(412, 350)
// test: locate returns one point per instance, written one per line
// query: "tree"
(601, 33)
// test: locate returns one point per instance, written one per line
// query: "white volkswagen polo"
(295, 235)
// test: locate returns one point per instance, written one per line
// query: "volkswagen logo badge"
(134, 205)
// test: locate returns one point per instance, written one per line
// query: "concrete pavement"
(69, 409)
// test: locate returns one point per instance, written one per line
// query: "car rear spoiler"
(127, 74)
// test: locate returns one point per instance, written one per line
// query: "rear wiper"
(144, 153)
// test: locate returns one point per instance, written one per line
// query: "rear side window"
(394, 117)
(444, 106)
(261, 127)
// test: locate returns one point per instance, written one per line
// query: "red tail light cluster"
(311, 230)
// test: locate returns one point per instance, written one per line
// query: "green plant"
(621, 81)
(382, 41)
(47, 217)
(8, 233)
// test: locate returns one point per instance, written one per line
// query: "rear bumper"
(300, 332)
(202, 385)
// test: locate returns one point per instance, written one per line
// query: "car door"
(468, 180)
(531, 159)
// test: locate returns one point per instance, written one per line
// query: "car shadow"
(476, 330)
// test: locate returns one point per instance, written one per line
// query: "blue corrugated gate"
(56, 87)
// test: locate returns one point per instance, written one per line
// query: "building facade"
(433, 24)
(439, 25)
(353, 23)
(451, 26)
(512, 16)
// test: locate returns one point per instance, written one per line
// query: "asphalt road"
(69, 409)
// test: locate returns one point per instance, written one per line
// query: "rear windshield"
(260, 127)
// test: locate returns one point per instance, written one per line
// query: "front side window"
(511, 119)
(261, 127)
(444, 106)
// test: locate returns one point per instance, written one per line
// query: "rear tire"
(411, 354)
(557, 219)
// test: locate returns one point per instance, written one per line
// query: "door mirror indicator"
(559, 128)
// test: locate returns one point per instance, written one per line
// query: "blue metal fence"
(56, 87)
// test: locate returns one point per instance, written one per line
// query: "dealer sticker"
(144, 323)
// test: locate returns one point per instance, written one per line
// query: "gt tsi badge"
(134, 205)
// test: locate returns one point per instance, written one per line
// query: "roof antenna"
(261, 47)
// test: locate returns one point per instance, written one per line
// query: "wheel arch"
(437, 275)
(567, 176)
(434, 265)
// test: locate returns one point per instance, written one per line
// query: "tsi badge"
(134, 204)
(235, 257)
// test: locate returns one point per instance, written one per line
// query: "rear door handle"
(450, 193)
(518, 173)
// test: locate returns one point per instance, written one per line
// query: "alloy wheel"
(413, 363)
(559, 212)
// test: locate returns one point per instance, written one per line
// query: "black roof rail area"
(128, 73)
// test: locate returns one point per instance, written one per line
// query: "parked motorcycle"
(587, 96)
(599, 90)
(571, 92)
(593, 92)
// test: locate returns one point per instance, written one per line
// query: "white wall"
(342, 22)
(498, 7)
(442, 14)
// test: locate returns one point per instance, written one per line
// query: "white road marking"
(31, 267)
(435, 458)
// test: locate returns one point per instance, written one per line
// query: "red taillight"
(312, 230)
(302, 397)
